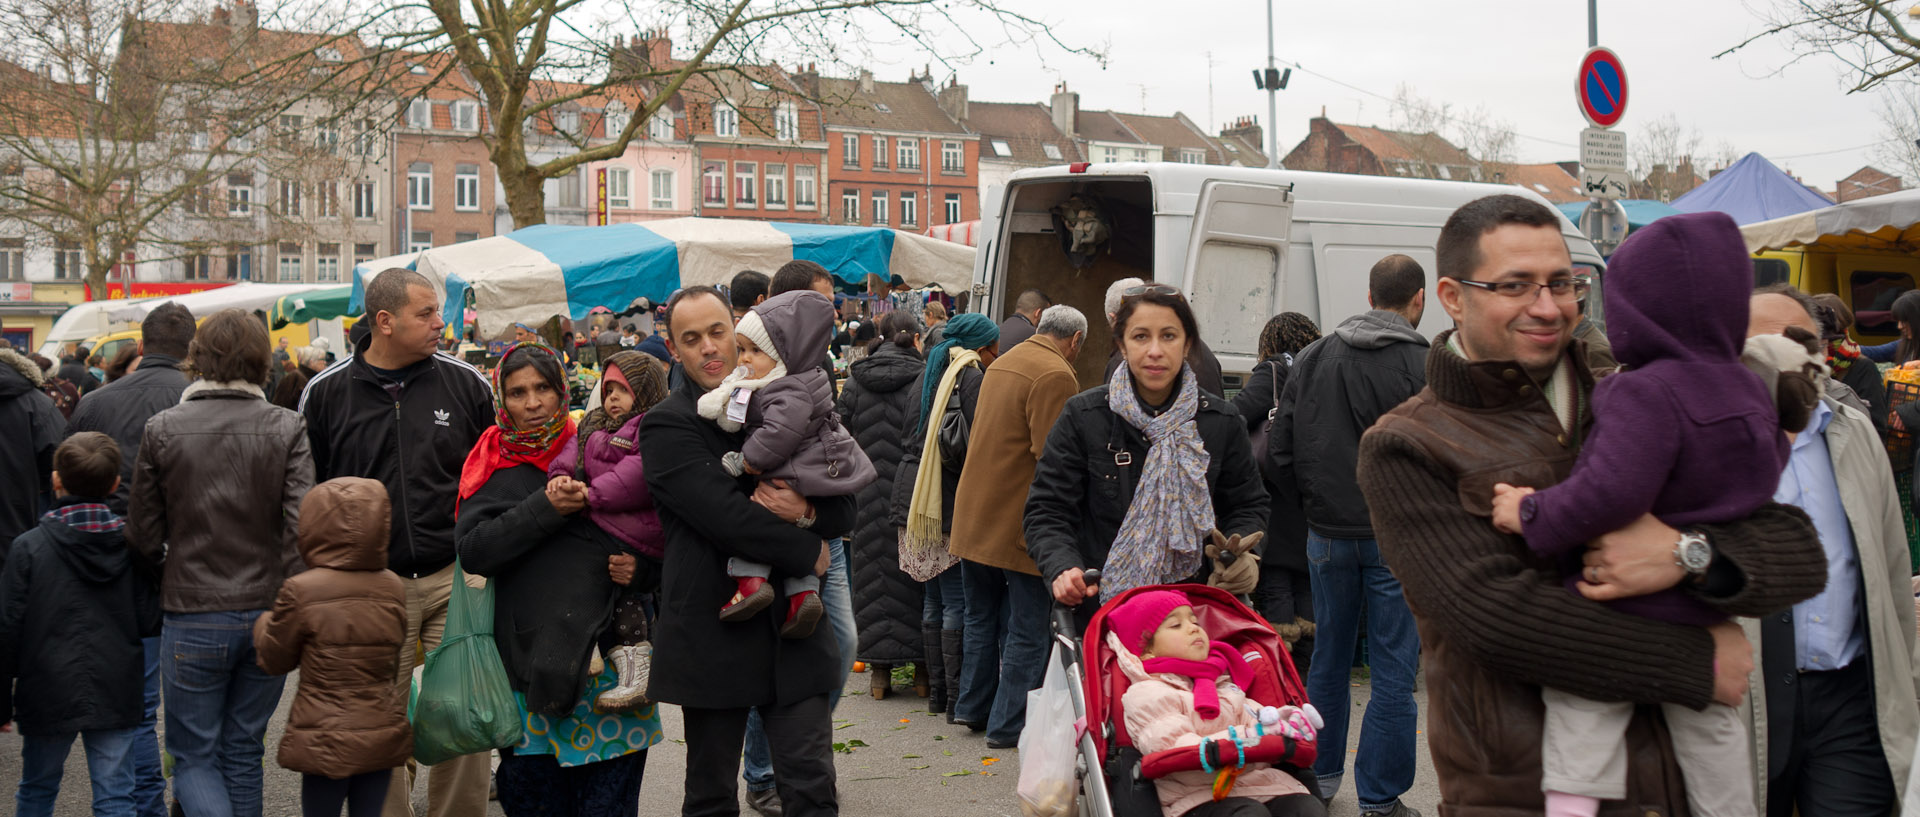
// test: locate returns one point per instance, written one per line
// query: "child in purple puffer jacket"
(607, 459)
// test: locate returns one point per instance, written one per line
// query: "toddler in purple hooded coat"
(1687, 432)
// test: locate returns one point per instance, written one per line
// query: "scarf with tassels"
(923, 546)
(1841, 354)
(1172, 511)
(1222, 659)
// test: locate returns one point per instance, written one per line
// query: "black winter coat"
(880, 404)
(1286, 542)
(552, 594)
(967, 391)
(1081, 492)
(72, 612)
(122, 408)
(698, 660)
(30, 427)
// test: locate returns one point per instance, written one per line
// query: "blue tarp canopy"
(1640, 212)
(1751, 191)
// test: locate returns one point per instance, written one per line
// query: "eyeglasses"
(1562, 289)
(1157, 289)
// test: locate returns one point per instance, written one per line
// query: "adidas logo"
(440, 418)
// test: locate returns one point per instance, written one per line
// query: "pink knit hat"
(1136, 621)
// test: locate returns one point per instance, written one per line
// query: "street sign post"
(1605, 223)
(1601, 87)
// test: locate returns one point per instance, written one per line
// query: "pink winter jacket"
(1160, 716)
(617, 496)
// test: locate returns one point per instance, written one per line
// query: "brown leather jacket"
(342, 622)
(1495, 622)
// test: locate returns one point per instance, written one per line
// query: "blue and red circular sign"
(1601, 87)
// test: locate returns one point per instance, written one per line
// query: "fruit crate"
(1903, 386)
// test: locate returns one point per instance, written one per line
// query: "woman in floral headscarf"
(556, 577)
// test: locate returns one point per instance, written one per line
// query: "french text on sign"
(1603, 149)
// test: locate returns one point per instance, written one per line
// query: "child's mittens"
(734, 462)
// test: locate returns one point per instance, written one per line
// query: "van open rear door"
(1236, 264)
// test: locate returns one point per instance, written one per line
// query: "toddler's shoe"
(803, 614)
(634, 663)
(734, 462)
(753, 595)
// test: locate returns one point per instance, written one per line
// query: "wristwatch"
(1693, 554)
(808, 520)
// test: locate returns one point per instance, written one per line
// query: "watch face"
(1694, 554)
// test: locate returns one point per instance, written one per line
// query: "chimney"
(866, 81)
(659, 49)
(809, 81)
(953, 100)
(1246, 129)
(1066, 110)
(246, 17)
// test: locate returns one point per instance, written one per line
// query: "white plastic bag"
(1048, 746)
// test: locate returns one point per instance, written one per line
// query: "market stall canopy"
(1640, 212)
(1889, 222)
(961, 232)
(245, 296)
(318, 305)
(1751, 191)
(87, 319)
(533, 274)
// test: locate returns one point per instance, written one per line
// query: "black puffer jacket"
(29, 431)
(881, 406)
(1286, 542)
(967, 391)
(122, 412)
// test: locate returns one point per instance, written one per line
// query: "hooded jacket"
(617, 495)
(795, 433)
(1339, 385)
(122, 412)
(72, 613)
(33, 425)
(342, 623)
(881, 403)
(1684, 430)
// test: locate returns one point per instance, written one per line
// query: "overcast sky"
(1516, 58)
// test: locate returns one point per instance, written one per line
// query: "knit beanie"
(653, 345)
(754, 330)
(1136, 621)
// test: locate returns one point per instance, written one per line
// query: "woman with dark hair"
(1141, 473)
(215, 504)
(880, 404)
(1284, 595)
(556, 577)
(1906, 315)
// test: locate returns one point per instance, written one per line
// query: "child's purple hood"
(1678, 288)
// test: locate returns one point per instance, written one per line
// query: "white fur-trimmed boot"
(634, 662)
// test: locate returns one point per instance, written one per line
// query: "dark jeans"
(538, 786)
(1006, 648)
(1835, 764)
(218, 705)
(1291, 805)
(149, 786)
(803, 768)
(43, 760)
(944, 604)
(362, 794)
(1349, 576)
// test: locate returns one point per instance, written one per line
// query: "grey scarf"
(1172, 510)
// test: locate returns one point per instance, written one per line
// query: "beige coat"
(1020, 398)
(1873, 509)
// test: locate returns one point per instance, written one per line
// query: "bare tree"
(1900, 127)
(1438, 136)
(532, 59)
(1873, 38)
(1661, 157)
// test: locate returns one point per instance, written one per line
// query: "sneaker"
(803, 614)
(765, 801)
(1398, 809)
(752, 595)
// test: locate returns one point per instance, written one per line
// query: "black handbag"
(1259, 433)
(954, 431)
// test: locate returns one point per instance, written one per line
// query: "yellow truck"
(1866, 251)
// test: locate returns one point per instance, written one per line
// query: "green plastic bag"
(465, 704)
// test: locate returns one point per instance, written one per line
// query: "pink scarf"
(1222, 659)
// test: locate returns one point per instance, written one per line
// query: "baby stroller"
(1116, 780)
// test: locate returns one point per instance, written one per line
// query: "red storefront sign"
(115, 290)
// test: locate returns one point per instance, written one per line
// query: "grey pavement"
(895, 760)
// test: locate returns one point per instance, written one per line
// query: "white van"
(1243, 243)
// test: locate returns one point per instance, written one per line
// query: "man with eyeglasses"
(1507, 400)
(1338, 386)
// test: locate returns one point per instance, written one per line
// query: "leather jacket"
(216, 498)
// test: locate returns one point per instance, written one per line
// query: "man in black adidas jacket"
(399, 412)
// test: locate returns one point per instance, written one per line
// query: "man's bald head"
(1770, 313)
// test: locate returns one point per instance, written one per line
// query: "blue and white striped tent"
(532, 274)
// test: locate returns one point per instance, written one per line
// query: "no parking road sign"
(1601, 87)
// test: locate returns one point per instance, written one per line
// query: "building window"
(364, 203)
(199, 266)
(13, 259)
(850, 206)
(786, 122)
(850, 151)
(879, 206)
(620, 188)
(466, 187)
(713, 184)
(1193, 157)
(953, 157)
(1051, 150)
(743, 186)
(805, 192)
(67, 262)
(239, 264)
(327, 139)
(953, 208)
(420, 114)
(462, 238)
(909, 209)
(326, 265)
(726, 120)
(617, 118)
(290, 262)
(239, 194)
(880, 153)
(362, 253)
(290, 123)
(909, 153)
(776, 185)
(564, 191)
(567, 123)
(363, 142)
(662, 198)
(289, 198)
(420, 241)
(1001, 148)
(328, 194)
(420, 186)
(660, 127)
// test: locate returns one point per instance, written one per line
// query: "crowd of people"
(1552, 525)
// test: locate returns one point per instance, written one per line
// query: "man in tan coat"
(1020, 397)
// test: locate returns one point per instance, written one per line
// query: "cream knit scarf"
(713, 404)
(923, 546)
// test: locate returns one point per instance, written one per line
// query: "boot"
(936, 669)
(881, 679)
(803, 613)
(951, 653)
(752, 594)
(634, 662)
(921, 686)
